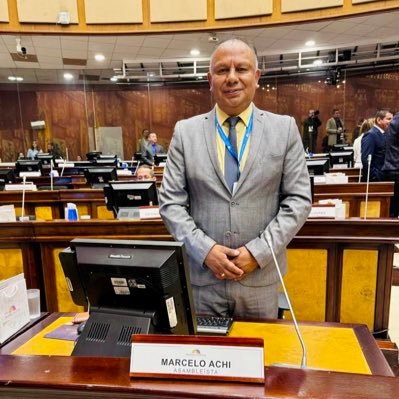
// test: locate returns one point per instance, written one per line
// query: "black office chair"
(55, 187)
(282, 305)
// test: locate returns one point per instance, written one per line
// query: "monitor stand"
(108, 332)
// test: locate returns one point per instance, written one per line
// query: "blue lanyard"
(227, 143)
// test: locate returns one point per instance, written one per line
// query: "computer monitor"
(122, 195)
(106, 162)
(318, 167)
(339, 147)
(45, 157)
(93, 155)
(28, 165)
(343, 159)
(99, 177)
(131, 287)
(160, 158)
(7, 176)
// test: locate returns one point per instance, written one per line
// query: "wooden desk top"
(25, 376)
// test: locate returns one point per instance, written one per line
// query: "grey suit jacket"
(272, 196)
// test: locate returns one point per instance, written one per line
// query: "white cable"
(367, 186)
(298, 332)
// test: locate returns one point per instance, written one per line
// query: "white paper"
(7, 213)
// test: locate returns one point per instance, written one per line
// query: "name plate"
(149, 212)
(201, 358)
(322, 211)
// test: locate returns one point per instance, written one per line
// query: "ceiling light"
(113, 79)
(310, 43)
(317, 62)
(16, 78)
(195, 52)
(68, 76)
(99, 57)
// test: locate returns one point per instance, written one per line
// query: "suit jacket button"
(233, 203)
(227, 233)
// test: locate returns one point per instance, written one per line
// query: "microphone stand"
(51, 175)
(298, 332)
(367, 186)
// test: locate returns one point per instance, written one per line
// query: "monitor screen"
(99, 177)
(46, 158)
(318, 167)
(131, 287)
(92, 155)
(106, 162)
(7, 176)
(343, 159)
(32, 165)
(339, 147)
(130, 194)
(160, 158)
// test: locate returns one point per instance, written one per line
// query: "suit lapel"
(255, 145)
(209, 131)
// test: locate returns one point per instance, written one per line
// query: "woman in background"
(34, 150)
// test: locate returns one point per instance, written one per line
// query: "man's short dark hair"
(381, 113)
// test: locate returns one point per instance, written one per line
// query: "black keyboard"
(212, 325)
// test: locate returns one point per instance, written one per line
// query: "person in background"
(78, 158)
(145, 172)
(357, 144)
(33, 150)
(335, 129)
(51, 149)
(309, 133)
(391, 162)
(152, 149)
(356, 131)
(143, 142)
(373, 146)
(235, 182)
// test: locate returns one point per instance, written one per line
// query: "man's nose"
(232, 75)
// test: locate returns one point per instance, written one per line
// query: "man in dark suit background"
(373, 144)
(310, 129)
(391, 162)
(151, 149)
(227, 204)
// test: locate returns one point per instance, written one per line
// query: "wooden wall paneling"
(237, 9)
(303, 5)
(384, 283)
(40, 11)
(113, 12)
(178, 10)
(4, 16)
(66, 114)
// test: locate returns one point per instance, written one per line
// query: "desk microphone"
(51, 175)
(367, 185)
(298, 332)
(137, 168)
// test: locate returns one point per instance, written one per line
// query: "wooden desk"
(353, 194)
(339, 270)
(71, 377)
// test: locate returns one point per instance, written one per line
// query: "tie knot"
(232, 121)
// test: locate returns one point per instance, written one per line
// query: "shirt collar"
(244, 115)
(381, 131)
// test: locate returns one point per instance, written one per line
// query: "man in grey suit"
(226, 227)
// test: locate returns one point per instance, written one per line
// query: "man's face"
(233, 77)
(384, 122)
(337, 114)
(144, 174)
(311, 113)
(152, 138)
